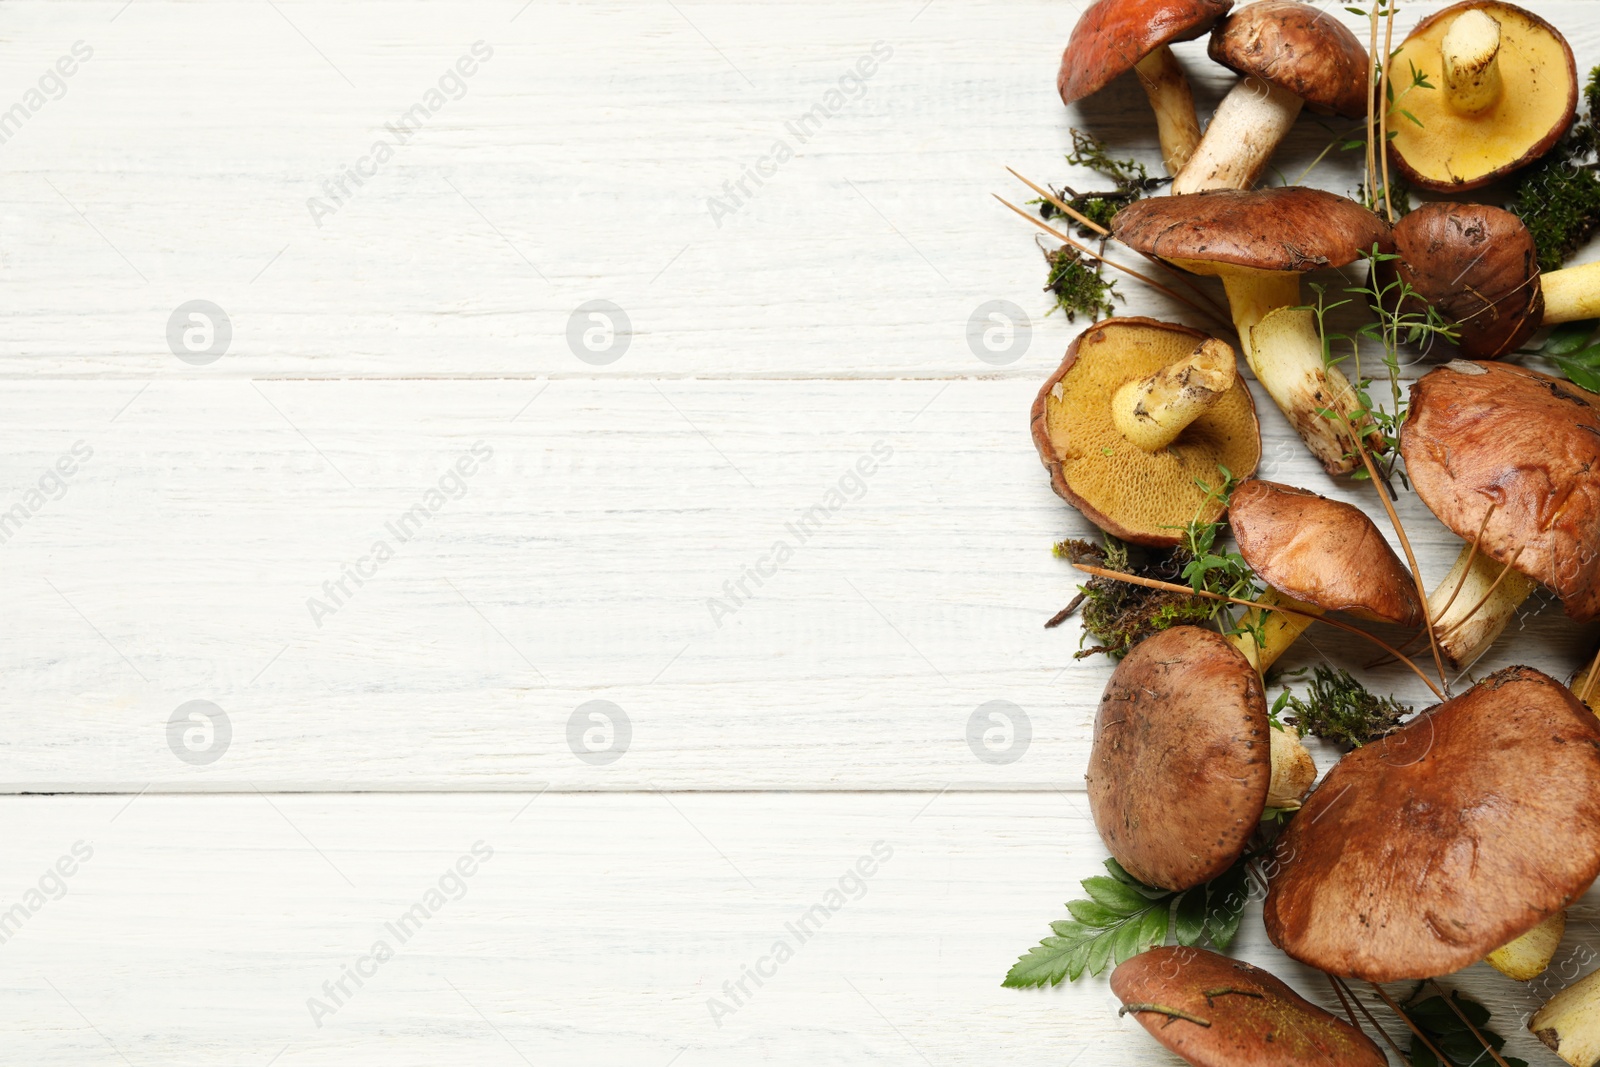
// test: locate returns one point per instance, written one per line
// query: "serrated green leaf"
(1225, 900)
(1568, 337)
(1071, 930)
(1045, 964)
(1153, 928)
(1581, 376)
(1112, 894)
(1099, 950)
(1189, 918)
(1125, 941)
(1090, 913)
(1122, 875)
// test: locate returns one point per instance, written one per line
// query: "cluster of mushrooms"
(1466, 834)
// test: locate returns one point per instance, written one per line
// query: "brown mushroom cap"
(1291, 228)
(1322, 552)
(1451, 151)
(1296, 47)
(1464, 829)
(1139, 496)
(1113, 35)
(1256, 1020)
(1479, 267)
(1491, 433)
(1181, 763)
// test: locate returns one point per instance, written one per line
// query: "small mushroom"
(1315, 555)
(1259, 243)
(1526, 958)
(1219, 1012)
(1289, 54)
(1515, 454)
(1181, 767)
(1569, 1022)
(1116, 36)
(1506, 88)
(1464, 829)
(1138, 412)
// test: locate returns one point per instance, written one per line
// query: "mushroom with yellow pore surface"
(1505, 90)
(1136, 414)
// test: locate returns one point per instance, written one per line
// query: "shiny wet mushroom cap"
(1219, 1012)
(1469, 826)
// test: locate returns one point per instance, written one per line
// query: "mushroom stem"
(1293, 770)
(1569, 1022)
(1173, 102)
(1526, 958)
(1152, 411)
(1489, 596)
(1248, 126)
(1570, 294)
(1279, 630)
(1469, 56)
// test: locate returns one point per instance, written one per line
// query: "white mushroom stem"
(1151, 412)
(1249, 124)
(1490, 594)
(1173, 102)
(1527, 957)
(1278, 630)
(1469, 56)
(1293, 770)
(1569, 1022)
(1571, 294)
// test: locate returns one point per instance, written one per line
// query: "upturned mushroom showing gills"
(1136, 414)
(1219, 1012)
(1509, 459)
(1259, 243)
(1505, 91)
(1467, 827)
(1115, 36)
(1569, 1022)
(1315, 555)
(1288, 54)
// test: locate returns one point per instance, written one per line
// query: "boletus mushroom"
(1136, 414)
(1116, 36)
(1259, 243)
(1288, 54)
(1219, 1012)
(1509, 458)
(1182, 769)
(1569, 1022)
(1464, 829)
(1506, 88)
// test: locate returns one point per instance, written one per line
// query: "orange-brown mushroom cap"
(1255, 1019)
(1113, 35)
(1181, 762)
(1322, 552)
(1299, 48)
(1422, 853)
(1482, 434)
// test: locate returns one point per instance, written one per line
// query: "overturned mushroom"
(1260, 243)
(1288, 54)
(1569, 1022)
(1138, 412)
(1506, 90)
(1116, 36)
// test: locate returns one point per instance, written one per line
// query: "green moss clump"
(1559, 196)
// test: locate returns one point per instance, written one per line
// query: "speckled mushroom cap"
(1481, 434)
(1292, 228)
(1299, 48)
(1255, 1019)
(1180, 767)
(1466, 828)
(1113, 35)
(1453, 152)
(1322, 552)
(1139, 496)
(1478, 265)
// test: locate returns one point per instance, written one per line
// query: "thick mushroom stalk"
(1277, 629)
(1469, 56)
(1527, 957)
(1173, 102)
(1152, 411)
(1569, 1022)
(1249, 124)
(1571, 294)
(1471, 609)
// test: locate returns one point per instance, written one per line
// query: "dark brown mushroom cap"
(1288, 228)
(1179, 771)
(1321, 551)
(1481, 434)
(1424, 852)
(1479, 267)
(1299, 48)
(1256, 1020)
(1113, 35)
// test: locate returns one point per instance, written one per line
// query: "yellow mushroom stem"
(1248, 126)
(1526, 958)
(1279, 629)
(1173, 102)
(1488, 598)
(1569, 1022)
(1571, 294)
(1469, 56)
(1293, 770)
(1152, 411)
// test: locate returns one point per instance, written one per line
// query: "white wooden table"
(588, 549)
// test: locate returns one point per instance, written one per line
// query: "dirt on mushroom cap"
(1422, 853)
(1113, 35)
(1296, 47)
